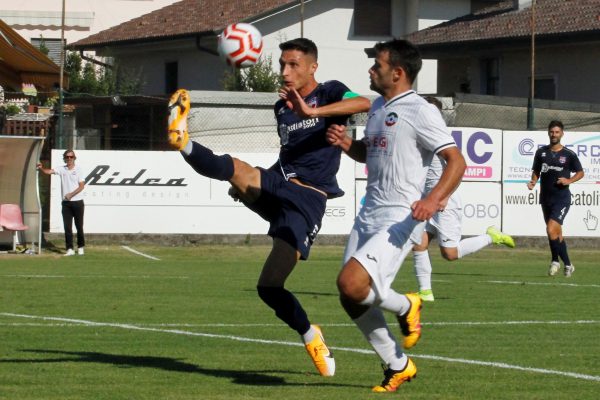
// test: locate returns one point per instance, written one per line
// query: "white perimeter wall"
(140, 192)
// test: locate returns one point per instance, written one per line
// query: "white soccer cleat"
(569, 269)
(80, 251)
(554, 267)
(69, 252)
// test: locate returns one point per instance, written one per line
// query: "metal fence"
(245, 122)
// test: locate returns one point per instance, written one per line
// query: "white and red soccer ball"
(240, 45)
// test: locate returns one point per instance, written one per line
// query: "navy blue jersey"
(304, 153)
(549, 166)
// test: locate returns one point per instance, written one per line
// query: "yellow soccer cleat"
(410, 323)
(320, 354)
(393, 379)
(179, 108)
(498, 237)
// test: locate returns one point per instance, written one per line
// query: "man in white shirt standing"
(402, 135)
(72, 183)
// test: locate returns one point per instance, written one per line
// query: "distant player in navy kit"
(291, 195)
(554, 164)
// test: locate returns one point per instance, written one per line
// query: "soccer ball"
(240, 45)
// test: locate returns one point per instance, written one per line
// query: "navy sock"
(206, 163)
(554, 244)
(562, 252)
(286, 306)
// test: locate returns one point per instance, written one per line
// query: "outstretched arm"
(47, 171)
(344, 107)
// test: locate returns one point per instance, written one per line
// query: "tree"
(43, 48)
(258, 78)
(99, 80)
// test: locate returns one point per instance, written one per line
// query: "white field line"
(96, 276)
(342, 325)
(348, 349)
(540, 283)
(139, 253)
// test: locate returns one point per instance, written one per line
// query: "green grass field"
(116, 325)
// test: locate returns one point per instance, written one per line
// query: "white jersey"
(434, 173)
(69, 180)
(402, 136)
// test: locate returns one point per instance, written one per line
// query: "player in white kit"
(447, 226)
(402, 135)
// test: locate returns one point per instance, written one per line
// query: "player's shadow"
(255, 378)
(300, 292)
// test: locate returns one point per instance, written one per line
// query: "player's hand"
(336, 135)
(530, 185)
(424, 209)
(563, 181)
(296, 103)
(234, 194)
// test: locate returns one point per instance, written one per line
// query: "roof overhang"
(21, 62)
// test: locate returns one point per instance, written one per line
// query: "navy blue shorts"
(295, 212)
(555, 211)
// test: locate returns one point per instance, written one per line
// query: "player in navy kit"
(553, 165)
(291, 195)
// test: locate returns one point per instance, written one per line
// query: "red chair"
(11, 219)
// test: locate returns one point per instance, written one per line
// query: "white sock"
(422, 265)
(370, 299)
(394, 302)
(373, 326)
(473, 244)
(309, 335)
(187, 150)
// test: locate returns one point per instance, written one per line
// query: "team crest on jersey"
(562, 159)
(312, 102)
(391, 119)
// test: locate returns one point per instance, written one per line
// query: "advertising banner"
(522, 214)
(482, 149)
(158, 192)
(481, 205)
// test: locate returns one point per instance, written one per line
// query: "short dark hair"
(556, 123)
(304, 45)
(435, 101)
(402, 53)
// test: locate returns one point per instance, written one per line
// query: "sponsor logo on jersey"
(391, 119)
(377, 141)
(546, 168)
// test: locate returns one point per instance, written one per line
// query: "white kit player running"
(447, 226)
(402, 135)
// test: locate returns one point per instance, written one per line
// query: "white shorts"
(447, 226)
(382, 252)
